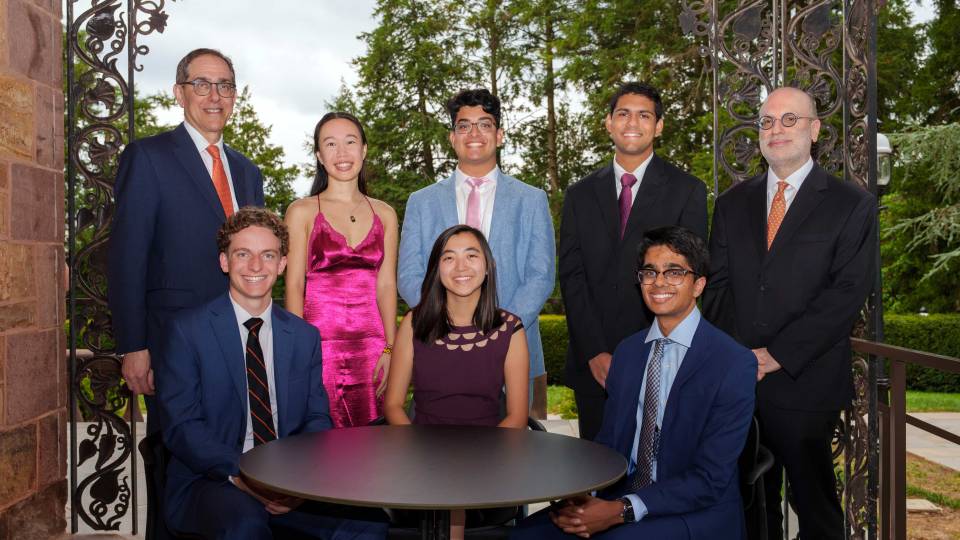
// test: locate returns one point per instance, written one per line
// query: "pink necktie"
(626, 199)
(473, 202)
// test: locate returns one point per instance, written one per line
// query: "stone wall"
(33, 373)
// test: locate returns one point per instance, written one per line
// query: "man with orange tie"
(792, 252)
(172, 193)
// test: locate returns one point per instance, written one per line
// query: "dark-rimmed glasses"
(787, 120)
(673, 276)
(202, 87)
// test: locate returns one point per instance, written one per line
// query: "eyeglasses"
(485, 126)
(787, 120)
(202, 87)
(673, 276)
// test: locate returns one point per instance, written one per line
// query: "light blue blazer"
(521, 237)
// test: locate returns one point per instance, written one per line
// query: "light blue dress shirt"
(676, 348)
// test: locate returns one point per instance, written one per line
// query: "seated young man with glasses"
(681, 396)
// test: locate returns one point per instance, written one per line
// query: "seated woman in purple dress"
(459, 349)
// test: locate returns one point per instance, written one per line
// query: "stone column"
(33, 372)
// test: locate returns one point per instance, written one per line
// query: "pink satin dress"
(341, 301)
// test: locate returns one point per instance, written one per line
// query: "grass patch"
(560, 401)
(932, 481)
(932, 401)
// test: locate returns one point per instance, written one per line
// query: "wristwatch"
(627, 513)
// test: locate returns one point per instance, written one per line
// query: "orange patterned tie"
(220, 182)
(777, 210)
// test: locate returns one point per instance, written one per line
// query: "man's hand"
(765, 363)
(136, 371)
(274, 503)
(600, 366)
(586, 515)
(383, 366)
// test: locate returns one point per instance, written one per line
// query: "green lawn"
(560, 401)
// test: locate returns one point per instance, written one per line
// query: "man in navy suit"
(173, 191)
(239, 371)
(681, 397)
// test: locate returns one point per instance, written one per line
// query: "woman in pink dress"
(341, 272)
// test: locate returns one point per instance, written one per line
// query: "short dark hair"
(681, 241)
(641, 89)
(183, 67)
(252, 216)
(430, 318)
(477, 97)
(322, 179)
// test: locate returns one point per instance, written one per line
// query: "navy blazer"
(705, 423)
(202, 392)
(801, 298)
(163, 239)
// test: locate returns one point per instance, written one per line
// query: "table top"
(432, 467)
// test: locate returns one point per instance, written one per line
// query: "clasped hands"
(585, 515)
(275, 503)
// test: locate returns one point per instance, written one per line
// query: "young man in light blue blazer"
(514, 217)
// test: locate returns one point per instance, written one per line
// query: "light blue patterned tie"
(649, 435)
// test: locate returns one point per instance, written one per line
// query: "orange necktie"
(778, 208)
(220, 182)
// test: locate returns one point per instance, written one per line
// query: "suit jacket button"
(763, 287)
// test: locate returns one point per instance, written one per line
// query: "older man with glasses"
(172, 192)
(792, 254)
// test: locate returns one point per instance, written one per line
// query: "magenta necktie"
(626, 199)
(473, 202)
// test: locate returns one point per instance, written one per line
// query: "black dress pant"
(800, 443)
(590, 412)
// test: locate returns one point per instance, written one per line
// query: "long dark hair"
(321, 180)
(430, 318)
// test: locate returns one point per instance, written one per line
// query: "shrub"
(938, 334)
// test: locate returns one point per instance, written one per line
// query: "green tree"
(939, 80)
(900, 45)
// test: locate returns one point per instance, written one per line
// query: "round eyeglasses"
(202, 87)
(673, 276)
(787, 120)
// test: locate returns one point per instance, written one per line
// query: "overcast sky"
(293, 55)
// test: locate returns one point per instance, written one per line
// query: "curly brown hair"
(251, 216)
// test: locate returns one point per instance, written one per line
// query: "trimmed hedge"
(938, 333)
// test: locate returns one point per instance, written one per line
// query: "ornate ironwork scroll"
(828, 48)
(99, 120)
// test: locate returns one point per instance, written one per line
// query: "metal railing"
(893, 428)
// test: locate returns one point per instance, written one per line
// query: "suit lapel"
(225, 328)
(237, 177)
(448, 205)
(695, 359)
(808, 197)
(633, 380)
(186, 153)
(606, 195)
(649, 192)
(503, 203)
(282, 358)
(757, 213)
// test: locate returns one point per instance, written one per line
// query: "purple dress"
(458, 379)
(341, 301)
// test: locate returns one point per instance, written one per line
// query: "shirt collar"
(795, 180)
(461, 178)
(682, 334)
(619, 171)
(199, 140)
(242, 314)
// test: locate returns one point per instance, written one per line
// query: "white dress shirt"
(266, 343)
(486, 192)
(619, 171)
(202, 145)
(795, 180)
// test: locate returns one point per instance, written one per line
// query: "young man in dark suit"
(604, 217)
(793, 254)
(173, 191)
(681, 397)
(238, 372)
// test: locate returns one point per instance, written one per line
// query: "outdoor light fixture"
(884, 160)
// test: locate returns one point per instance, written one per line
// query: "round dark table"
(434, 468)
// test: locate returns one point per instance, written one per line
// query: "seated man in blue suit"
(680, 403)
(239, 371)
(514, 216)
